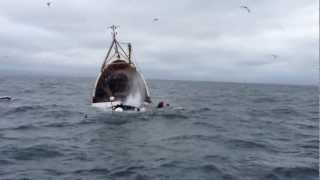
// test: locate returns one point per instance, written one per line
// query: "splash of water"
(137, 93)
(134, 99)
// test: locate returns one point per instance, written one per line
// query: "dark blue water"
(212, 131)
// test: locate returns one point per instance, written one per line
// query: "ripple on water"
(131, 171)
(263, 100)
(285, 111)
(249, 144)
(24, 109)
(58, 114)
(93, 171)
(197, 137)
(35, 152)
(21, 127)
(173, 116)
(205, 171)
(294, 173)
(268, 130)
(208, 125)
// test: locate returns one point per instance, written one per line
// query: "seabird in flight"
(274, 56)
(246, 8)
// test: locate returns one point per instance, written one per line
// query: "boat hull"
(120, 81)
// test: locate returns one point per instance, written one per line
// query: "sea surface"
(214, 131)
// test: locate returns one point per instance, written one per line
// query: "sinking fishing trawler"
(119, 85)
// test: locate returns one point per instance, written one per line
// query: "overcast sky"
(209, 40)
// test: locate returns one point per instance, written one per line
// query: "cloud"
(207, 40)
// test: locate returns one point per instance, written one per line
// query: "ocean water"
(216, 131)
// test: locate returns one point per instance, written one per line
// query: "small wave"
(24, 127)
(168, 115)
(258, 112)
(32, 153)
(54, 172)
(61, 113)
(116, 122)
(264, 100)
(307, 126)
(141, 177)
(313, 141)
(33, 127)
(209, 168)
(310, 144)
(273, 112)
(191, 137)
(111, 119)
(238, 143)
(201, 110)
(208, 171)
(123, 173)
(21, 127)
(216, 158)
(285, 111)
(295, 173)
(5, 162)
(49, 85)
(23, 109)
(204, 109)
(58, 125)
(205, 124)
(171, 164)
(87, 121)
(103, 171)
(28, 91)
(129, 174)
(205, 171)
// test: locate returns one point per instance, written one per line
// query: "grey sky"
(198, 40)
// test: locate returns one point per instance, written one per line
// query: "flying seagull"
(155, 19)
(274, 56)
(246, 8)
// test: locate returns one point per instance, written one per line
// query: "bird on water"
(5, 98)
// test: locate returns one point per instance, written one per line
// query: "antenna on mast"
(130, 51)
(114, 30)
(114, 33)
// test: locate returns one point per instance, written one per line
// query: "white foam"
(106, 106)
(134, 99)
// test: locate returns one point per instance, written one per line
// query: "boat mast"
(114, 42)
(116, 45)
(130, 50)
(114, 33)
